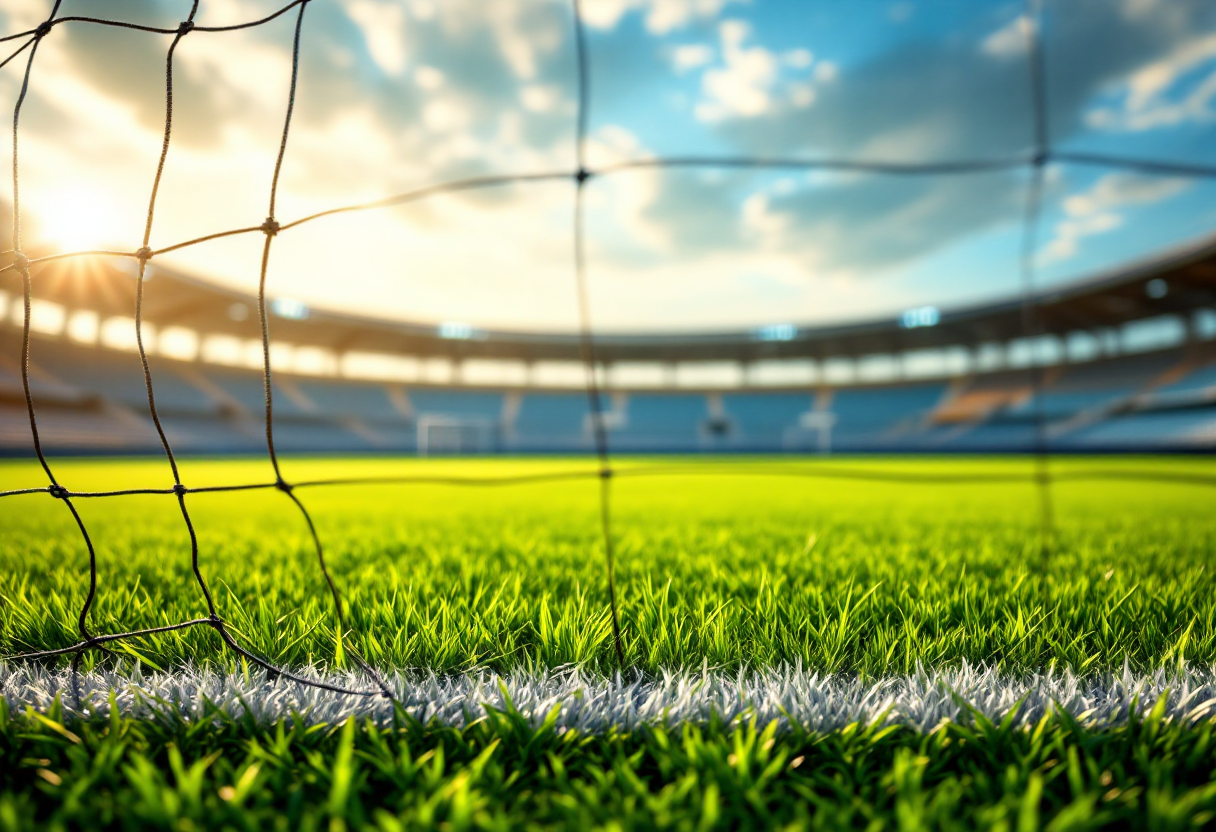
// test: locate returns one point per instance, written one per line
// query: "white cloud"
(1095, 211)
(612, 144)
(826, 72)
(428, 78)
(758, 219)
(1148, 103)
(1010, 41)
(691, 56)
(604, 14)
(445, 115)
(383, 27)
(802, 95)
(629, 196)
(540, 98)
(750, 81)
(522, 38)
(742, 87)
(1068, 234)
(798, 58)
(662, 16)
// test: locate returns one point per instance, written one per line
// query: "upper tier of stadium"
(1174, 283)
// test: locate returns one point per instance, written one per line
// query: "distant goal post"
(457, 436)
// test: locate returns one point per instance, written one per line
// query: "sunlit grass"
(744, 566)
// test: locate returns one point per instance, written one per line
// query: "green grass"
(500, 773)
(726, 569)
(752, 565)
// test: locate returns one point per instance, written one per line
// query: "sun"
(77, 218)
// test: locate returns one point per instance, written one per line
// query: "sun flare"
(77, 218)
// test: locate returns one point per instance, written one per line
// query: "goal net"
(436, 435)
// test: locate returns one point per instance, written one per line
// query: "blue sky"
(396, 94)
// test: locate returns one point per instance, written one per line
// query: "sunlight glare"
(77, 218)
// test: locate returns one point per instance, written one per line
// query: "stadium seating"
(1178, 429)
(364, 400)
(661, 422)
(1201, 378)
(878, 416)
(765, 421)
(551, 422)
(94, 400)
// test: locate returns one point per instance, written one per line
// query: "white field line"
(820, 702)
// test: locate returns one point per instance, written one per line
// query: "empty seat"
(869, 415)
(364, 400)
(763, 415)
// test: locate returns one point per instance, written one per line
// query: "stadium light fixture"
(1156, 288)
(457, 331)
(290, 308)
(920, 316)
(776, 332)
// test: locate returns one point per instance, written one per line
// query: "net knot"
(21, 261)
(582, 175)
(185, 27)
(180, 490)
(283, 485)
(1040, 158)
(270, 227)
(44, 29)
(605, 473)
(57, 491)
(144, 254)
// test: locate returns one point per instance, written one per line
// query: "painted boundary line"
(591, 703)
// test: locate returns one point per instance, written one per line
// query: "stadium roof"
(1187, 280)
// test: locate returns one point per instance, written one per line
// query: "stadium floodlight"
(290, 308)
(920, 316)
(457, 331)
(776, 332)
(1156, 288)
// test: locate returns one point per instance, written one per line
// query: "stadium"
(1131, 367)
(608, 414)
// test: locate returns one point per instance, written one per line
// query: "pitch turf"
(723, 563)
(752, 565)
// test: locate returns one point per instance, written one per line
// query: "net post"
(143, 255)
(1031, 323)
(270, 229)
(587, 340)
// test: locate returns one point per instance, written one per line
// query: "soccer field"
(863, 574)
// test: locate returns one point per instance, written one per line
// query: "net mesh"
(1041, 155)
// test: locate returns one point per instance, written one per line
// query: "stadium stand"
(94, 400)
(766, 421)
(660, 422)
(879, 416)
(551, 422)
(1120, 396)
